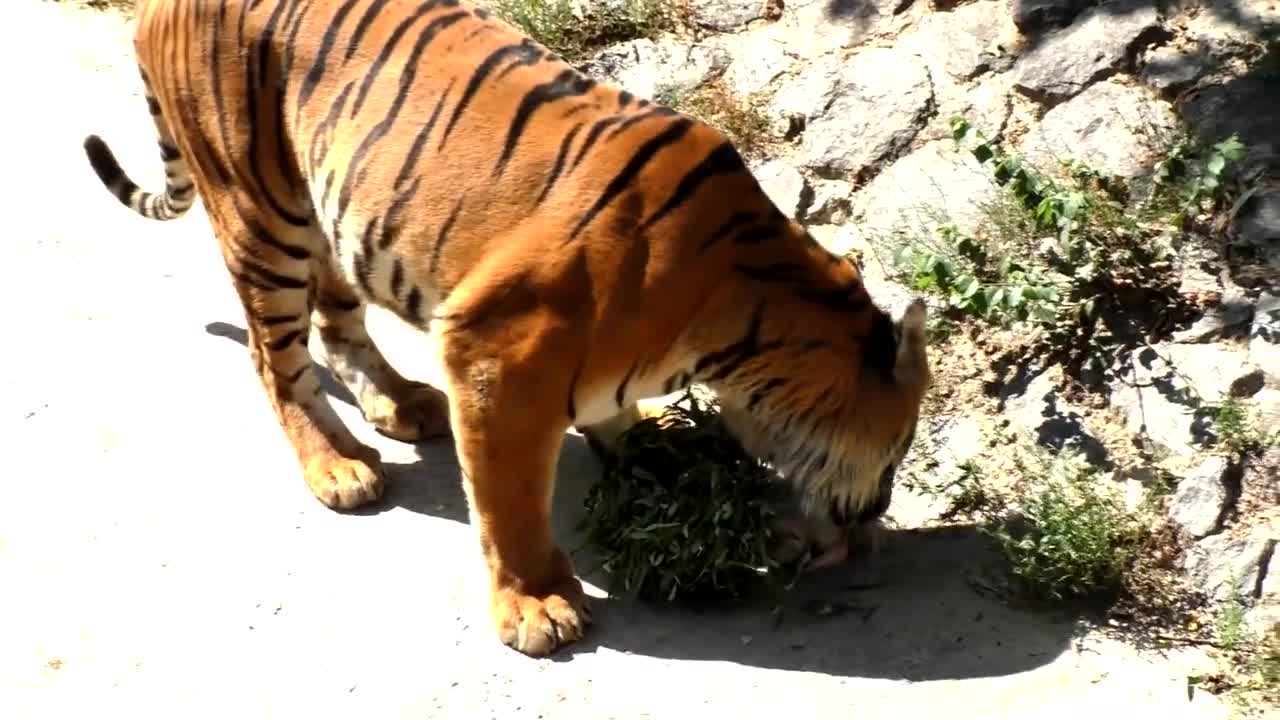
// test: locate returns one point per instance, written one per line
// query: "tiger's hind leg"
(399, 408)
(273, 273)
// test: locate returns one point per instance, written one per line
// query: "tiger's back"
(575, 248)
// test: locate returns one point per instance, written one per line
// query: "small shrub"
(1073, 537)
(683, 514)
(1236, 431)
(562, 28)
(716, 105)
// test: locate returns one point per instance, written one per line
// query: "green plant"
(1068, 536)
(712, 102)
(683, 514)
(576, 29)
(1190, 176)
(1236, 430)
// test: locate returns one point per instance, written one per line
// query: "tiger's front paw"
(415, 413)
(539, 625)
(344, 483)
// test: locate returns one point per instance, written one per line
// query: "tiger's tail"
(179, 191)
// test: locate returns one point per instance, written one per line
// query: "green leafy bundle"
(683, 512)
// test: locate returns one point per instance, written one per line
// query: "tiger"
(570, 247)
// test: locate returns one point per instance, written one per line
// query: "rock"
(960, 44)
(814, 28)
(1226, 29)
(986, 105)
(1260, 481)
(1257, 223)
(1217, 322)
(1248, 107)
(1169, 67)
(784, 185)
(725, 15)
(759, 57)
(1051, 420)
(1264, 337)
(1091, 48)
(858, 112)
(934, 185)
(1036, 16)
(830, 202)
(1226, 568)
(646, 67)
(1198, 504)
(1116, 129)
(1159, 392)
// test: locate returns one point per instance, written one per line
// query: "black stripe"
(364, 260)
(596, 129)
(256, 82)
(324, 130)
(525, 53)
(272, 279)
(735, 221)
(850, 299)
(366, 21)
(168, 152)
(373, 72)
(444, 235)
(622, 386)
(296, 375)
(413, 304)
(568, 83)
(391, 222)
(756, 235)
(780, 272)
(293, 23)
(573, 389)
(558, 166)
(673, 133)
(429, 33)
(270, 320)
(263, 235)
(639, 117)
(397, 278)
(624, 99)
(415, 152)
(721, 161)
(879, 347)
(761, 392)
(322, 56)
(285, 340)
(153, 105)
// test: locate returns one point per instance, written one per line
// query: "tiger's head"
(825, 385)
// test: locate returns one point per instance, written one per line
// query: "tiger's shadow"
(923, 621)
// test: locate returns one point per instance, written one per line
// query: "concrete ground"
(161, 557)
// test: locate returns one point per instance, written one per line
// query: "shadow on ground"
(923, 621)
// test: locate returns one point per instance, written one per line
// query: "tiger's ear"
(911, 366)
(913, 320)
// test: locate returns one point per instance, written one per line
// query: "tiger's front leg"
(508, 428)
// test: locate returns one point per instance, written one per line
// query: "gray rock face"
(1201, 497)
(1094, 45)
(784, 185)
(644, 66)
(1036, 16)
(759, 57)
(1156, 394)
(830, 202)
(860, 111)
(725, 15)
(1264, 337)
(961, 43)
(934, 185)
(1224, 567)
(1171, 68)
(1116, 129)
(1261, 480)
